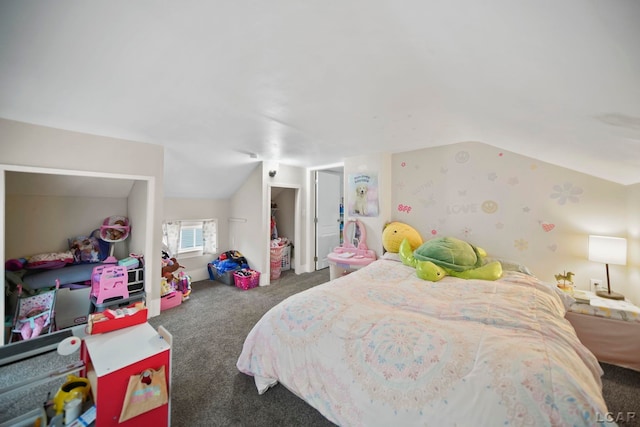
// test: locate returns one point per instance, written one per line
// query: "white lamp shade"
(608, 250)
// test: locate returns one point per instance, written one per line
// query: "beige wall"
(516, 207)
(39, 224)
(633, 269)
(41, 149)
(248, 222)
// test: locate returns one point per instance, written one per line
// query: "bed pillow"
(88, 249)
(49, 260)
(391, 256)
(508, 265)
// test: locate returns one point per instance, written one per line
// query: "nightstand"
(610, 329)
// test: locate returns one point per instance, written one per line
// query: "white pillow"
(391, 256)
(508, 265)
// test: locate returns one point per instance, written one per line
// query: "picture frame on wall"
(363, 195)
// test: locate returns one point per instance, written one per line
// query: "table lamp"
(609, 250)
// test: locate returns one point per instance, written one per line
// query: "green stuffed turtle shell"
(449, 252)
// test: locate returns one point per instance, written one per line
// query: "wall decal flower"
(566, 192)
(521, 245)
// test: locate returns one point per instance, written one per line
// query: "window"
(190, 237)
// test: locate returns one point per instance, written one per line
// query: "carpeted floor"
(208, 332)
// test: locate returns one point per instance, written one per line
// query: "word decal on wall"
(404, 208)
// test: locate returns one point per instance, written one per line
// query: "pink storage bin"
(170, 300)
(247, 282)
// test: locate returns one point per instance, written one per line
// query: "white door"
(327, 216)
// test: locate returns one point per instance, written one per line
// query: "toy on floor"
(170, 266)
(172, 282)
(184, 285)
(34, 314)
(74, 387)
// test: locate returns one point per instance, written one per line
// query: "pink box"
(170, 300)
(247, 282)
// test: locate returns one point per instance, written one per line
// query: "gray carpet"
(208, 333)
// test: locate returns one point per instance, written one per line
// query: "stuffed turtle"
(448, 256)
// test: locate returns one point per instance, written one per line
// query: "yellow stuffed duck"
(438, 257)
(395, 232)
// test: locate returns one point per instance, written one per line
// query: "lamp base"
(610, 295)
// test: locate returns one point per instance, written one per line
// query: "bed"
(381, 347)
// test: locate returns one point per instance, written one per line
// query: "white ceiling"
(308, 83)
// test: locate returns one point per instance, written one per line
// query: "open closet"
(41, 209)
(282, 229)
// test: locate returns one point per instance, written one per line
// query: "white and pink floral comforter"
(381, 347)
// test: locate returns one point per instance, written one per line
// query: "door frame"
(339, 169)
(296, 229)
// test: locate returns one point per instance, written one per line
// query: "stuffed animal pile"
(438, 257)
(172, 281)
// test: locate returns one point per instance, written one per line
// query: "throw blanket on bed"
(381, 347)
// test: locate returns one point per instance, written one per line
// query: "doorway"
(283, 223)
(329, 216)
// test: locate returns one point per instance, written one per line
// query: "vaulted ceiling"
(225, 84)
